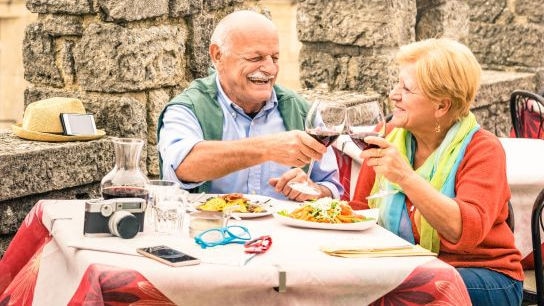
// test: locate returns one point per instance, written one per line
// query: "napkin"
(414, 250)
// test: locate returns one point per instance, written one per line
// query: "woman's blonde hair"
(445, 68)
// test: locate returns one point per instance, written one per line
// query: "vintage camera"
(122, 217)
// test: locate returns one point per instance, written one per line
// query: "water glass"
(167, 203)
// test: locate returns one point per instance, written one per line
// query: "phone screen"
(168, 255)
(78, 124)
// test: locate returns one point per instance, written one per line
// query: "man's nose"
(269, 65)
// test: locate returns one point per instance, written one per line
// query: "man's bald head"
(243, 22)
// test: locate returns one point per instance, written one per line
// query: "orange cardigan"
(482, 193)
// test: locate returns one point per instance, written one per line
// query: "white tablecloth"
(312, 276)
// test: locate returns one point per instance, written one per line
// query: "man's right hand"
(293, 148)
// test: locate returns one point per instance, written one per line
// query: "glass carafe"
(125, 180)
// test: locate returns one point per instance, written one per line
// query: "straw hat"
(41, 120)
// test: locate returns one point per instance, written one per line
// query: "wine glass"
(361, 121)
(325, 122)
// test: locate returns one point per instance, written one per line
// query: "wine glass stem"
(310, 167)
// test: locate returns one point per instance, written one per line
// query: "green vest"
(201, 98)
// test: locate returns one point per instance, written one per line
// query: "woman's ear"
(442, 107)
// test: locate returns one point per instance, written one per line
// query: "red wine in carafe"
(358, 139)
(124, 192)
(325, 137)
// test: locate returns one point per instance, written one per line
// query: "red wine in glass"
(324, 137)
(124, 192)
(359, 140)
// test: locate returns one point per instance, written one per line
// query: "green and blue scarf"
(439, 169)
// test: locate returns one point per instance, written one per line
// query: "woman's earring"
(437, 128)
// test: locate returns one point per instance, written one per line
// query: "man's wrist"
(324, 191)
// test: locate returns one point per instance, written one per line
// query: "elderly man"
(235, 130)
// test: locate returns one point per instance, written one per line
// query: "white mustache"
(261, 76)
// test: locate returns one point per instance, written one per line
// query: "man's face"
(248, 67)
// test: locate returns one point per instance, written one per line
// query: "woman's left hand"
(386, 160)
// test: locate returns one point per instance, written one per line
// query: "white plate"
(357, 226)
(252, 198)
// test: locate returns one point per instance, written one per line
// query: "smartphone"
(168, 256)
(78, 124)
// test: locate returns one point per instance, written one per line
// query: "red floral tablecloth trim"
(431, 284)
(20, 263)
(109, 285)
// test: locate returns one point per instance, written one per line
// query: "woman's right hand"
(386, 160)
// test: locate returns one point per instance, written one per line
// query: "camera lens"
(123, 224)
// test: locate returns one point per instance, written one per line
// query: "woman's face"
(411, 109)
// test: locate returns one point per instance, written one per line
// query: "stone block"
(486, 11)
(62, 25)
(37, 167)
(202, 26)
(494, 46)
(157, 100)
(540, 80)
(496, 86)
(67, 63)
(445, 19)
(137, 59)
(369, 24)
(182, 8)
(13, 211)
(492, 104)
(494, 118)
(532, 9)
(339, 70)
(346, 97)
(129, 10)
(74, 7)
(220, 4)
(39, 57)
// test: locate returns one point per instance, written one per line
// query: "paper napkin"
(392, 251)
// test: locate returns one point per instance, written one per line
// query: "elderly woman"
(451, 173)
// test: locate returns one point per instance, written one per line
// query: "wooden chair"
(527, 114)
(533, 287)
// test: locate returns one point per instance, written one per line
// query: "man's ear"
(215, 53)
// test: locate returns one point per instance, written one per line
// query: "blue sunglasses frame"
(227, 234)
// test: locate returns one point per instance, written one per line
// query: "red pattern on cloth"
(20, 259)
(108, 285)
(423, 287)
